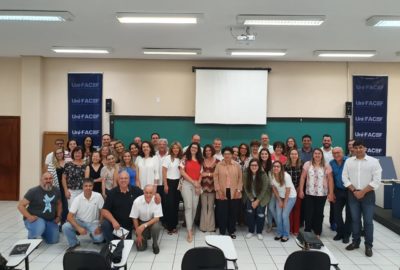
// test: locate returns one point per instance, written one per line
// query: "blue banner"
(85, 95)
(370, 112)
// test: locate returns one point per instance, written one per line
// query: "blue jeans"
(48, 230)
(271, 214)
(365, 206)
(70, 232)
(282, 217)
(255, 217)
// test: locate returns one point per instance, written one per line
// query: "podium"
(384, 195)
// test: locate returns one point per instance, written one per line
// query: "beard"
(47, 187)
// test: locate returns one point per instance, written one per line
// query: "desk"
(324, 249)
(15, 260)
(125, 253)
(224, 243)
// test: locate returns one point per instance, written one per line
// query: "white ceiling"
(95, 24)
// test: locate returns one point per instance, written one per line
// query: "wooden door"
(48, 144)
(10, 138)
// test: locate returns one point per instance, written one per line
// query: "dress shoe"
(277, 238)
(337, 237)
(156, 249)
(368, 251)
(346, 240)
(352, 246)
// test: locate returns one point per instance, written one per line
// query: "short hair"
(326, 135)
(254, 142)
(106, 134)
(76, 149)
(306, 136)
(227, 148)
(337, 148)
(359, 143)
(278, 143)
(154, 133)
(163, 140)
(88, 180)
(59, 140)
(217, 139)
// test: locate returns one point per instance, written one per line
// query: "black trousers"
(160, 190)
(343, 227)
(314, 213)
(171, 204)
(227, 213)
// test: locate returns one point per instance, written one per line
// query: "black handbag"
(116, 256)
(309, 240)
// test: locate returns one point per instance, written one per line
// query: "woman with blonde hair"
(56, 169)
(171, 176)
(109, 175)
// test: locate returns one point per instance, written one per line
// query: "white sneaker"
(259, 236)
(249, 235)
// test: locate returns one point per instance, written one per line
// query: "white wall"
(296, 89)
(10, 86)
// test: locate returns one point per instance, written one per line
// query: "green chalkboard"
(180, 129)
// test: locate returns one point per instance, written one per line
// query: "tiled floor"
(252, 253)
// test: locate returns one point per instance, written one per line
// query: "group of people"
(118, 191)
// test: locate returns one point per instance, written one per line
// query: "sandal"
(174, 231)
(284, 239)
(170, 232)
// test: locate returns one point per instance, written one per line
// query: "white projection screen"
(231, 96)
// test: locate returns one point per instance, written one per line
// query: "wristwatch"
(145, 225)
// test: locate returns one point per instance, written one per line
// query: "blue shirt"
(337, 173)
(305, 156)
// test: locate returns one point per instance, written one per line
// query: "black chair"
(204, 258)
(308, 260)
(84, 260)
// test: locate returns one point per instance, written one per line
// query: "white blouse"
(148, 170)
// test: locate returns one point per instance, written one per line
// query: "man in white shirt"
(84, 216)
(362, 176)
(146, 216)
(265, 143)
(217, 144)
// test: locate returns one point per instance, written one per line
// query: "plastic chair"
(204, 258)
(308, 260)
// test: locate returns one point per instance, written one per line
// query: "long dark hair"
(199, 156)
(91, 147)
(268, 165)
(152, 151)
(258, 178)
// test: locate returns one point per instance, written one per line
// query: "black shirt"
(120, 204)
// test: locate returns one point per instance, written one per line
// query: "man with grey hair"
(146, 215)
(343, 229)
(265, 143)
(161, 154)
(41, 209)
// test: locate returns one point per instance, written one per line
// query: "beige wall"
(308, 89)
(10, 86)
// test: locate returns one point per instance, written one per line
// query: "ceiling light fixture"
(158, 18)
(384, 21)
(281, 20)
(235, 52)
(35, 16)
(175, 51)
(81, 50)
(345, 54)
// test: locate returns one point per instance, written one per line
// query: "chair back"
(308, 260)
(84, 260)
(204, 258)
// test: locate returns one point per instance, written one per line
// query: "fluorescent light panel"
(35, 16)
(158, 18)
(234, 52)
(344, 54)
(281, 20)
(160, 51)
(384, 21)
(83, 50)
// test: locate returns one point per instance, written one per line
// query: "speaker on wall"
(349, 108)
(109, 105)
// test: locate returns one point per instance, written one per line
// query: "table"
(324, 249)
(15, 260)
(224, 243)
(125, 253)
